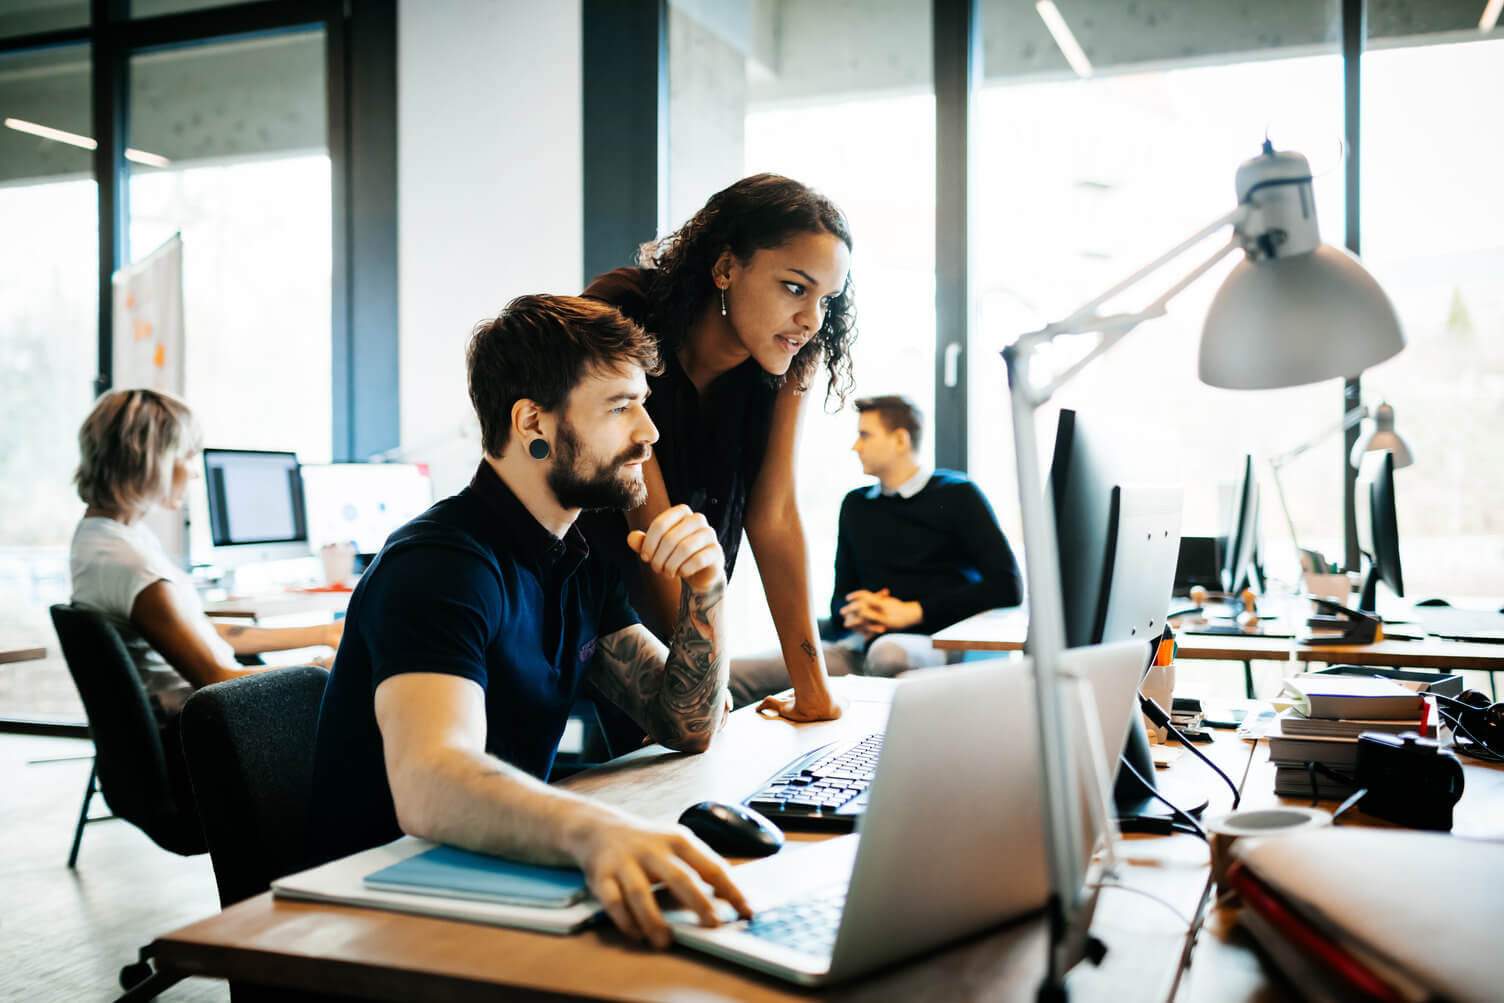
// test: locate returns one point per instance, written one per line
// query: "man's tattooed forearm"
(678, 701)
(694, 683)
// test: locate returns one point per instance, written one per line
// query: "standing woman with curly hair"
(748, 299)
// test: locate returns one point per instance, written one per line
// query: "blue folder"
(447, 871)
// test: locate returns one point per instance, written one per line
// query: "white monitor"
(255, 502)
(362, 503)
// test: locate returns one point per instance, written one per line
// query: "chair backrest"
(249, 744)
(141, 778)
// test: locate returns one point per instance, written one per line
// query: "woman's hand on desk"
(825, 706)
(622, 860)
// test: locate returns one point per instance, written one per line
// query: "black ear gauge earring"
(538, 449)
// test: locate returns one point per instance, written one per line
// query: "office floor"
(64, 935)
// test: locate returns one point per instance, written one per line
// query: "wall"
(489, 193)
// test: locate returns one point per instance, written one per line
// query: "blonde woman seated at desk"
(137, 450)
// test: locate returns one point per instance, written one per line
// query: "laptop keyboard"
(824, 789)
(808, 925)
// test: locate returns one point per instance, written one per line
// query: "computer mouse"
(732, 830)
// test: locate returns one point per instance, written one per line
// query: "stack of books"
(1322, 728)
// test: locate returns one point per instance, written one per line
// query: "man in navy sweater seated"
(479, 623)
(917, 551)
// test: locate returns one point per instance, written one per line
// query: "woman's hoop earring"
(723, 301)
(538, 449)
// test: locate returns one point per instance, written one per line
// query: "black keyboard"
(825, 789)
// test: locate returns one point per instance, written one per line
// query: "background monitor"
(1242, 539)
(1378, 528)
(255, 498)
(1082, 476)
(362, 503)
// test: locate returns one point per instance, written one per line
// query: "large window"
(846, 106)
(48, 336)
(1432, 158)
(1087, 173)
(235, 138)
(244, 178)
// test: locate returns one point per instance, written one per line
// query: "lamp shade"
(1283, 322)
(1383, 437)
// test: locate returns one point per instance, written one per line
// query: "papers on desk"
(343, 882)
(1377, 914)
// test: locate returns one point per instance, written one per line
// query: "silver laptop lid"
(952, 840)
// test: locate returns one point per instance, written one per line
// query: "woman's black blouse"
(710, 448)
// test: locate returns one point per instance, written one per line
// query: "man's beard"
(606, 486)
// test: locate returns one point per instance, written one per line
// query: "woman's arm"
(182, 634)
(777, 537)
(256, 640)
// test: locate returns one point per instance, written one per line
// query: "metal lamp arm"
(1085, 319)
(1350, 419)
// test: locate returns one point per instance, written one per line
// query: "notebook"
(343, 882)
(446, 870)
(1319, 694)
(1416, 911)
(952, 840)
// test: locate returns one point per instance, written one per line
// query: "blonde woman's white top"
(111, 564)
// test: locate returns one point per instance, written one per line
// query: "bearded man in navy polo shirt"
(479, 623)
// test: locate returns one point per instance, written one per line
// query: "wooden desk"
(22, 654)
(393, 956)
(1004, 629)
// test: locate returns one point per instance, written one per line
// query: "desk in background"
(278, 605)
(1004, 629)
(394, 956)
(22, 654)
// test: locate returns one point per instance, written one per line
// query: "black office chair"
(138, 770)
(249, 745)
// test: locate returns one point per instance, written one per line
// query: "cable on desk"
(1189, 818)
(1161, 719)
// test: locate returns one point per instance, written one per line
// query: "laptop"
(952, 839)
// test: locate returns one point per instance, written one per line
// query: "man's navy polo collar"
(517, 526)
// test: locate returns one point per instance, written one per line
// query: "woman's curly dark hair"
(755, 213)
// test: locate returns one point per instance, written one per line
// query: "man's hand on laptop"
(623, 858)
(873, 613)
(679, 543)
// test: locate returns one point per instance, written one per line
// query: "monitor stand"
(1134, 801)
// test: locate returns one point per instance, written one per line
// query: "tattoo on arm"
(808, 649)
(678, 700)
(234, 631)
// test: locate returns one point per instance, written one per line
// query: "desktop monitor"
(1378, 529)
(362, 503)
(1115, 586)
(256, 500)
(1242, 539)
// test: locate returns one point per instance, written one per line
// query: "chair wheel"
(132, 976)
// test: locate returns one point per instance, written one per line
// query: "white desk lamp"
(1294, 311)
(1381, 436)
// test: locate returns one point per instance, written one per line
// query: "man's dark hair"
(538, 349)
(896, 411)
